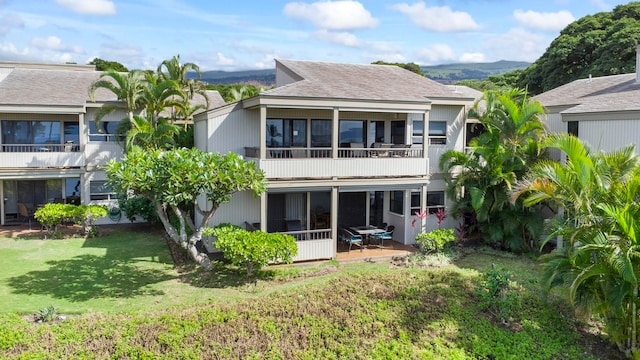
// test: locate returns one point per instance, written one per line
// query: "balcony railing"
(30, 148)
(303, 235)
(326, 153)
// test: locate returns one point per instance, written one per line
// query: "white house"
(341, 145)
(602, 111)
(50, 147)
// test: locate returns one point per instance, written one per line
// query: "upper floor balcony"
(41, 155)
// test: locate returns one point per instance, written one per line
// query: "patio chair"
(387, 235)
(350, 238)
(24, 213)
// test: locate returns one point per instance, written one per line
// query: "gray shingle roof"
(49, 87)
(599, 94)
(359, 82)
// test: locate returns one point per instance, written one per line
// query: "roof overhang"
(352, 184)
(37, 173)
(340, 104)
(42, 109)
(601, 115)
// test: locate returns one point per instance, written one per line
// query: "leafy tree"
(413, 67)
(172, 69)
(599, 194)
(128, 88)
(600, 44)
(174, 180)
(501, 83)
(480, 179)
(104, 65)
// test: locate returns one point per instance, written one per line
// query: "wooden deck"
(374, 252)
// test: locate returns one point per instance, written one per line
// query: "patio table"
(366, 231)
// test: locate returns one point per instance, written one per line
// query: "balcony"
(41, 155)
(350, 162)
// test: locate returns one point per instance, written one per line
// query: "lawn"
(135, 304)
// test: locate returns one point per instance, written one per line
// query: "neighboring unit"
(51, 149)
(603, 111)
(342, 146)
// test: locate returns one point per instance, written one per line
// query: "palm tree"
(600, 266)
(128, 88)
(481, 179)
(172, 69)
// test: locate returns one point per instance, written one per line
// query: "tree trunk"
(181, 239)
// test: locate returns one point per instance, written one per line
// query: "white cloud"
(437, 18)
(435, 54)
(338, 37)
(54, 43)
(9, 52)
(555, 21)
(93, 7)
(9, 22)
(222, 60)
(266, 62)
(517, 44)
(602, 5)
(472, 58)
(332, 15)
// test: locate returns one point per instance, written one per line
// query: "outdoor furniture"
(385, 235)
(366, 232)
(358, 153)
(350, 238)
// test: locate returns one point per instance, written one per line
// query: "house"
(603, 112)
(341, 145)
(50, 147)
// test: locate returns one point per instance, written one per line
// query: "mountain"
(450, 73)
(446, 74)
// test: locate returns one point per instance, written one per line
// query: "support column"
(425, 135)
(335, 132)
(2, 203)
(334, 219)
(263, 211)
(423, 206)
(263, 133)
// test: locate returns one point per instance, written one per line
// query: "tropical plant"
(498, 293)
(599, 197)
(436, 240)
(127, 87)
(175, 180)
(253, 249)
(480, 179)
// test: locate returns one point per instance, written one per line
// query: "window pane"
(299, 133)
(72, 132)
(320, 133)
(99, 190)
(437, 128)
(396, 203)
(572, 128)
(398, 132)
(107, 131)
(418, 131)
(473, 131)
(351, 131)
(435, 201)
(415, 199)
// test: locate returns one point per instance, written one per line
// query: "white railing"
(305, 235)
(326, 153)
(29, 148)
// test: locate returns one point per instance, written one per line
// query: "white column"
(423, 206)
(335, 132)
(2, 204)
(334, 219)
(263, 211)
(83, 131)
(425, 135)
(263, 133)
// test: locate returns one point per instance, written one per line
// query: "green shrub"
(47, 314)
(498, 293)
(253, 249)
(435, 241)
(138, 206)
(52, 215)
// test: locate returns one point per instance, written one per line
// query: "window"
(572, 128)
(286, 133)
(320, 133)
(99, 190)
(396, 202)
(352, 131)
(31, 132)
(437, 132)
(415, 201)
(435, 201)
(398, 129)
(418, 131)
(107, 131)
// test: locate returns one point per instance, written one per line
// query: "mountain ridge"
(444, 73)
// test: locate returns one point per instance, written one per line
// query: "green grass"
(137, 305)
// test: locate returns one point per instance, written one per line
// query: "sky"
(235, 35)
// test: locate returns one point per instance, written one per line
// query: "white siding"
(234, 131)
(455, 118)
(608, 135)
(244, 206)
(358, 167)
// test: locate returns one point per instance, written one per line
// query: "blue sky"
(248, 34)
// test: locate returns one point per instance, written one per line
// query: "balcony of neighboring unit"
(41, 155)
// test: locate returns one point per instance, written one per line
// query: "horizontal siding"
(314, 250)
(361, 167)
(42, 159)
(609, 135)
(99, 153)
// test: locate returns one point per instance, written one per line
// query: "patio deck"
(374, 252)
